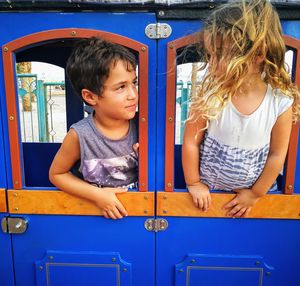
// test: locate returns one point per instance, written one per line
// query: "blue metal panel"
(6, 262)
(276, 242)
(66, 240)
(215, 270)
(73, 268)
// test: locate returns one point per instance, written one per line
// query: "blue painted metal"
(6, 259)
(215, 270)
(73, 268)
(82, 234)
(275, 242)
(64, 240)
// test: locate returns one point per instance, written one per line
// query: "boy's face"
(119, 99)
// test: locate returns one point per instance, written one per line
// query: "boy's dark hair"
(91, 60)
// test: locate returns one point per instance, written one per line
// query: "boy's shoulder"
(81, 123)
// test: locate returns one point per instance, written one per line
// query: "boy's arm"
(193, 135)
(246, 198)
(60, 176)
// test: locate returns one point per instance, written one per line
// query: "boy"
(103, 74)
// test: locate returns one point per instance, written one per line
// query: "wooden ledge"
(275, 206)
(60, 203)
(2, 201)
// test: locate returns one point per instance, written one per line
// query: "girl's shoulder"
(279, 100)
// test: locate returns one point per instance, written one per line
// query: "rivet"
(41, 268)
(268, 273)
(170, 119)
(73, 33)
(145, 198)
(5, 49)
(161, 13)
(290, 187)
(143, 119)
(16, 182)
(143, 184)
(113, 259)
(15, 194)
(124, 269)
(165, 212)
(16, 208)
(11, 118)
(51, 257)
(145, 211)
(143, 49)
(164, 197)
(180, 270)
(257, 262)
(169, 185)
(171, 47)
(193, 261)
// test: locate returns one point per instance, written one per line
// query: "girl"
(240, 121)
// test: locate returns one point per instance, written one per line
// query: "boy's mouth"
(131, 107)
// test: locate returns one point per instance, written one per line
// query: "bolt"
(169, 185)
(290, 187)
(144, 48)
(164, 197)
(16, 208)
(41, 268)
(171, 47)
(257, 262)
(161, 13)
(193, 261)
(124, 269)
(145, 211)
(143, 119)
(268, 273)
(113, 259)
(11, 118)
(5, 49)
(145, 198)
(170, 119)
(165, 212)
(51, 257)
(15, 194)
(180, 270)
(73, 33)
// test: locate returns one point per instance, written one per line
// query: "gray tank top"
(106, 162)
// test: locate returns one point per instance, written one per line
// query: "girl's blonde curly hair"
(250, 29)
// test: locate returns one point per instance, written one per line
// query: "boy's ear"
(88, 96)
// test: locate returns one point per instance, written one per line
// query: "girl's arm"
(60, 176)
(246, 198)
(193, 136)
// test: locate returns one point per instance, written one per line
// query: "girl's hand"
(201, 196)
(109, 203)
(242, 203)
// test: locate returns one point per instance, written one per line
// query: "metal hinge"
(158, 31)
(14, 225)
(159, 224)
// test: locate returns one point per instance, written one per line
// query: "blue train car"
(51, 238)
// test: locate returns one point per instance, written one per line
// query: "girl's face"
(218, 57)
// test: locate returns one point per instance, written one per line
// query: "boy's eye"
(120, 87)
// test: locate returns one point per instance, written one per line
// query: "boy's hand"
(201, 196)
(135, 148)
(242, 203)
(109, 203)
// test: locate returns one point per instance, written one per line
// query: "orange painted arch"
(27, 41)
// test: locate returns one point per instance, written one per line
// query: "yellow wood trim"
(57, 202)
(2, 201)
(270, 206)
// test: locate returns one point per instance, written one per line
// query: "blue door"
(207, 248)
(63, 240)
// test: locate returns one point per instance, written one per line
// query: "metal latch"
(158, 31)
(159, 224)
(14, 224)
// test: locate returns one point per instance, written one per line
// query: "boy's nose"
(132, 93)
